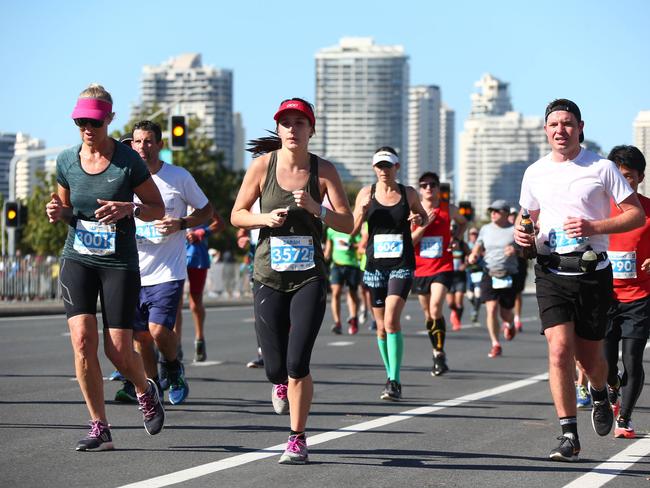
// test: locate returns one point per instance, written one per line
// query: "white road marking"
(234, 461)
(614, 466)
(206, 363)
(341, 343)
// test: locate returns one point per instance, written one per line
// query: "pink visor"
(91, 108)
(298, 105)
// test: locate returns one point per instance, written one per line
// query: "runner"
(161, 251)
(290, 271)
(567, 194)
(434, 267)
(498, 283)
(474, 276)
(96, 181)
(341, 250)
(389, 208)
(629, 315)
(456, 294)
(520, 282)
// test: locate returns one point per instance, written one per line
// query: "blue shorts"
(158, 305)
(341, 275)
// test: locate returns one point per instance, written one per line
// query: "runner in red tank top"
(629, 315)
(433, 264)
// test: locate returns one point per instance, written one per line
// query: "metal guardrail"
(27, 278)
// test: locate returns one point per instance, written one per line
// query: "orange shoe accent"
(495, 351)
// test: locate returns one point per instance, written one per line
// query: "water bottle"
(529, 252)
(588, 261)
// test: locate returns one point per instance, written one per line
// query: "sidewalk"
(55, 307)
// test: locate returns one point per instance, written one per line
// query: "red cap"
(298, 105)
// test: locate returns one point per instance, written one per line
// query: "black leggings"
(287, 324)
(633, 375)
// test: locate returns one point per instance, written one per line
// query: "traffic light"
(445, 190)
(12, 215)
(178, 132)
(466, 210)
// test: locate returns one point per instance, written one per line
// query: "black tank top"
(388, 226)
(287, 257)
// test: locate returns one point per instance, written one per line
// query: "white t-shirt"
(579, 188)
(162, 258)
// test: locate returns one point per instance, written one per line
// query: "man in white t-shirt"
(567, 193)
(161, 250)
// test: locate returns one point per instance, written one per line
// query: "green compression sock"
(395, 352)
(383, 350)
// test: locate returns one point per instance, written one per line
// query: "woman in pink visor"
(96, 181)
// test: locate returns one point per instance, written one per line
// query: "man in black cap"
(567, 194)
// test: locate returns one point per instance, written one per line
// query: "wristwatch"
(183, 223)
(136, 210)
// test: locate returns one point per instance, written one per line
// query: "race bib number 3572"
(94, 238)
(292, 253)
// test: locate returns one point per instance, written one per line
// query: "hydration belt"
(571, 262)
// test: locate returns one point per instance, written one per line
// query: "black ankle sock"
(459, 312)
(569, 424)
(299, 434)
(598, 395)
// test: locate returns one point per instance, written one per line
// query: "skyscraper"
(642, 141)
(7, 142)
(447, 144)
(361, 105)
(423, 131)
(27, 168)
(239, 139)
(187, 87)
(496, 147)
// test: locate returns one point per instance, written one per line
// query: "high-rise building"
(7, 142)
(27, 168)
(447, 144)
(239, 139)
(496, 147)
(361, 104)
(642, 141)
(186, 87)
(423, 131)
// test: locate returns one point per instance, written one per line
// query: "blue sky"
(594, 52)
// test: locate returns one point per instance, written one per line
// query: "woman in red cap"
(289, 269)
(96, 182)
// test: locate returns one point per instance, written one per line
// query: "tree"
(39, 236)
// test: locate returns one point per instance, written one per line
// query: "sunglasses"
(428, 184)
(383, 165)
(94, 123)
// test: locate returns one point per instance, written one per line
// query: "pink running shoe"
(455, 321)
(296, 451)
(280, 399)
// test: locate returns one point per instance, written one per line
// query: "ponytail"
(264, 145)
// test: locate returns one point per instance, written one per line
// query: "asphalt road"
(488, 422)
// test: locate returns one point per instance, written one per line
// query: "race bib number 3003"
(94, 238)
(292, 253)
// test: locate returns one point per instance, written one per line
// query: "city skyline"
(272, 54)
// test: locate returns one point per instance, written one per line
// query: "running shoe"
(178, 387)
(336, 329)
(153, 412)
(393, 391)
(518, 325)
(384, 392)
(199, 351)
(353, 326)
(439, 365)
(258, 362)
(296, 451)
(624, 429)
(568, 449)
(495, 351)
(373, 325)
(583, 397)
(126, 394)
(455, 320)
(280, 399)
(116, 376)
(363, 315)
(602, 417)
(163, 376)
(509, 331)
(474, 316)
(98, 438)
(613, 394)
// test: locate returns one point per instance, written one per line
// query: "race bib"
(341, 244)
(560, 243)
(501, 283)
(388, 246)
(623, 264)
(94, 238)
(147, 233)
(476, 276)
(292, 253)
(431, 247)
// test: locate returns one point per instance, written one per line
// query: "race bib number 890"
(623, 264)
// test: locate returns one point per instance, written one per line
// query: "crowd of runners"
(138, 229)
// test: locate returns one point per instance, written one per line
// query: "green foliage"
(206, 165)
(39, 236)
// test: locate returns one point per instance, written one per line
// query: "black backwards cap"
(564, 105)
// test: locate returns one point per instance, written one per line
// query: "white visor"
(384, 156)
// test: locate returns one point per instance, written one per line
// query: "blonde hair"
(95, 90)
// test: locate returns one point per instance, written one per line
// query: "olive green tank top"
(289, 256)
